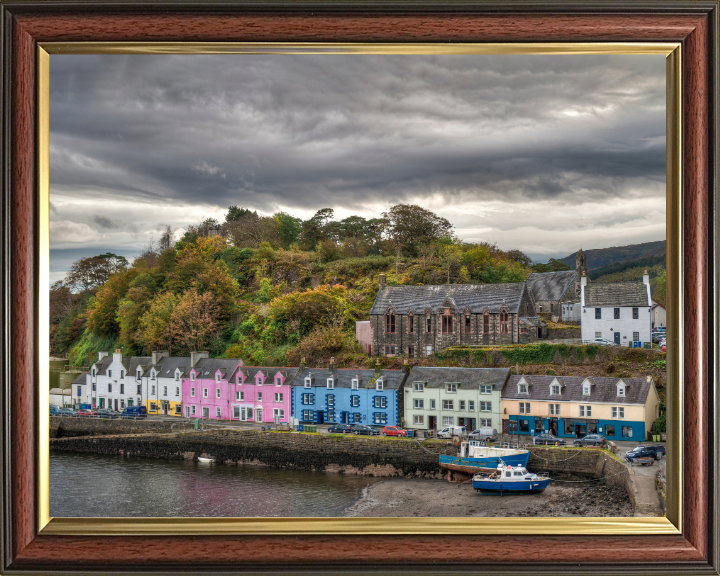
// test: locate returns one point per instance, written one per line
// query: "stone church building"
(418, 321)
(557, 294)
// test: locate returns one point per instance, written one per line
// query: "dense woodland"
(267, 289)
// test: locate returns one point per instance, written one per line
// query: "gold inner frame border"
(669, 525)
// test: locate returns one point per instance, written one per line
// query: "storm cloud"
(540, 153)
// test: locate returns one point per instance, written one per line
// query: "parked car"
(546, 439)
(645, 451)
(340, 429)
(394, 431)
(54, 410)
(67, 412)
(134, 412)
(591, 440)
(449, 431)
(106, 413)
(483, 433)
(366, 430)
(657, 336)
(85, 412)
(603, 342)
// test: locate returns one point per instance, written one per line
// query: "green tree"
(410, 226)
(289, 228)
(235, 213)
(102, 314)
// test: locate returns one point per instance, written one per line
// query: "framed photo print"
(302, 287)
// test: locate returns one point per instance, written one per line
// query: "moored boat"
(203, 459)
(475, 457)
(508, 479)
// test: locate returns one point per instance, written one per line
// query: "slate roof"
(103, 364)
(138, 362)
(473, 296)
(207, 367)
(269, 371)
(550, 285)
(392, 379)
(81, 379)
(603, 389)
(167, 365)
(616, 294)
(469, 378)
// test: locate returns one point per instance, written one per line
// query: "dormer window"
(122, 373)
(177, 376)
(330, 383)
(379, 384)
(308, 382)
(152, 375)
(418, 386)
(555, 389)
(355, 384)
(278, 381)
(109, 373)
(586, 389)
(139, 374)
(450, 387)
(621, 388)
(192, 376)
(217, 377)
(522, 387)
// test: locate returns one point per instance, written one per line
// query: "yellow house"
(573, 406)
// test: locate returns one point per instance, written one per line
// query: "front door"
(320, 416)
(579, 430)
(116, 404)
(473, 424)
(617, 337)
(258, 415)
(206, 412)
(165, 408)
(102, 402)
(432, 422)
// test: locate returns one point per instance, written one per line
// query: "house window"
(355, 383)
(447, 324)
(598, 334)
(390, 323)
(278, 381)
(110, 388)
(588, 411)
(462, 404)
(177, 391)
(582, 411)
(379, 402)
(468, 325)
(164, 390)
(448, 421)
(238, 396)
(618, 412)
(486, 422)
(192, 379)
(616, 313)
(486, 323)
(485, 389)
(428, 323)
(278, 397)
(330, 400)
(109, 373)
(205, 392)
(450, 387)
(627, 431)
(448, 405)
(192, 392)
(555, 389)
(610, 430)
(217, 377)
(122, 374)
(418, 386)
(94, 372)
(217, 412)
(308, 398)
(139, 389)
(354, 401)
(554, 409)
(428, 350)
(432, 404)
(217, 393)
(193, 410)
(177, 376)
(411, 351)
(418, 419)
(122, 388)
(389, 349)
(471, 405)
(380, 418)
(522, 389)
(636, 336)
(524, 407)
(504, 321)
(621, 390)
(635, 314)
(259, 396)
(411, 324)
(379, 385)
(418, 403)
(330, 383)
(598, 313)
(487, 407)
(586, 389)
(308, 381)
(94, 389)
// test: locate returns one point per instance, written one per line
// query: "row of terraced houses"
(421, 398)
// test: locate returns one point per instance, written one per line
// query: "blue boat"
(508, 479)
(475, 457)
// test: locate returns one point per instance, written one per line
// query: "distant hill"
(601, 257)
(625, 267)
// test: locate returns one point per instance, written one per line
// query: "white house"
(617, 311)
(115, 382)
(79, 389)
(162, 381)
(60, 397)
(659, 315)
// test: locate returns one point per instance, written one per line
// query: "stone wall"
(62, 427)
(563, 333)
(349, 455)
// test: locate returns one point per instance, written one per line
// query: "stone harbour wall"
(63, 427)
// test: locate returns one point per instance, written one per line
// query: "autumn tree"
(251, 230)
(409, 226)
(102, 313)
(154, 322)
(166, 239)
(193, 322)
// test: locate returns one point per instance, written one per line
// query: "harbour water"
(83, 485)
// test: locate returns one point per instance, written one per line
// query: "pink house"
(224, 389)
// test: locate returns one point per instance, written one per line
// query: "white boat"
(508, 479)
(202, 459)
(475, 456)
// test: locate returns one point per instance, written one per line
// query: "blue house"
(347, 396)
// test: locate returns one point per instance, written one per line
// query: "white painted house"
(659, 316)
(617, 311)
(114, 381)
(162, 381)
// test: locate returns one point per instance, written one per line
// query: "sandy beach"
(398, 497)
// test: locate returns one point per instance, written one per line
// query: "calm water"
(90, 485)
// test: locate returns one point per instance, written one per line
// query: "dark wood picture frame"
(693, 24)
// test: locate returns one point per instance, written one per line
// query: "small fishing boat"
(508, 479)
(203, 459)
(475, 457)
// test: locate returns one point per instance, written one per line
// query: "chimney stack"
(157, 354)
(383, 280)
(646, 277)
(101, 355)
(196, 356)
(332, 364)
(117, 355)
(583, 280)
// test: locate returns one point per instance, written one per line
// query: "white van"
(483, 433)
(450, 431)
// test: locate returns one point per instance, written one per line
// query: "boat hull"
(500, 487)
(469, 470)
(473, 465)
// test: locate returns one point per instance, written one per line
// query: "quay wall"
(63, 427)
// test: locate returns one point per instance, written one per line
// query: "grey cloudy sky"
(541, 153)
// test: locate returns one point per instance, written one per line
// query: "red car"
(85, 412)
(394, 431)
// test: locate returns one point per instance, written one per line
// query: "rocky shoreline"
(399, 497)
